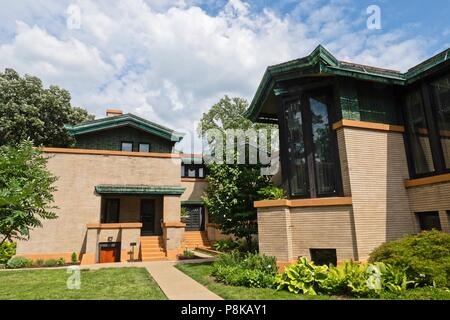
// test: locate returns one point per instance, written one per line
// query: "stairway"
(152, 249)
(195, 239)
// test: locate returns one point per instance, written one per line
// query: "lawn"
(102, 284)
(201, 273)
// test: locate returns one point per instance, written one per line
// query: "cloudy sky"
(169, 61)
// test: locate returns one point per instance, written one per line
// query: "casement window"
(310, 155)
(111, 211)
(322, 257)
(144, 147)
(429, 221)
(126, 146)
(427, 118)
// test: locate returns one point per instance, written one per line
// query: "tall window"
(112, 211)
(440, 91)
(311, 152)
(126, 146)
(418, 134)
(144, 147)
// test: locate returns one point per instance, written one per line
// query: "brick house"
(365, 155)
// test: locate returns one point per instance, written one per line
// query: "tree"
(26, 191)
(232, 188)
(29, 111)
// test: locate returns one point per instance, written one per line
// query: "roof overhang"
(321, 63)
(138, 190)
(125, 120)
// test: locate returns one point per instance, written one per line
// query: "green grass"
(200, 272)
(102, 284)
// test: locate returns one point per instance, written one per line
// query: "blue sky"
(169, 61)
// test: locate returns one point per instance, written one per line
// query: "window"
(429, 221)
(311, 149)
(324, 256)
(193, 171)
(112, 211)
(144, 147)
(127, 146)
(440, 91)
(195, 221)
(418, 134)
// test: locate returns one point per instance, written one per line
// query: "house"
(365, 155)
(119, 195)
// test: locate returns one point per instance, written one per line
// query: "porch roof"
(139, 190)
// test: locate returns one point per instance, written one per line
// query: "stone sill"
(111, 153)
(134, 225)
(427, 181)
(318, 202)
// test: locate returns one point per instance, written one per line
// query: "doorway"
(109, 252)
(148, 217)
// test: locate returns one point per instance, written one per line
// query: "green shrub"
(38, 263)
(226, 245)
(425, 257)
(7, 251)
(271, 193)
(50, 263)
(74, 258)
(349, 279)
(17, 262)
(188, 253)
(249, 270)
(61, 262)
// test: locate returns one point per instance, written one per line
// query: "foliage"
(61, 262)
(29, 111)
(184, 213)
(17, 262)
(39, 262)
(426, 257)
(74, 258)
(349, 279)
(248, 270)
(226, 245)
(26, 191)
(188, 253)
(229, 197)
(7, 251)
(50, 263)
(271, 193)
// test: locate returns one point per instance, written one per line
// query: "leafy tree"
(29, 111)
(26, 191)
(232, 188)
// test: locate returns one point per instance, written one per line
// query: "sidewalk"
(176, 285)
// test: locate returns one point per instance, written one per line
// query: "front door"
(148, 217)
(196, 219)
(109, 252)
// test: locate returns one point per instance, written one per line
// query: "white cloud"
(170, 61)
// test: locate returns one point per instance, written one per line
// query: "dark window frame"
(431, 120)
(121, 145)
(105, 208)
(146, 143)
(420, 215)
(315, 252)
(196, 169)
(329, 92)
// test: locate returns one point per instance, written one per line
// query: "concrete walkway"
(176, 285)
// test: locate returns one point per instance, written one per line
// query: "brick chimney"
(113, 112)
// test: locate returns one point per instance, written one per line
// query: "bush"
(38, 263)
(226, 245)
(425, 257)
(50, 263)
(271, 193)
(7, 251)
(17, 262)
(248, 270)
(61, 262)
(188, 253)
(349, 279)
(74, 258)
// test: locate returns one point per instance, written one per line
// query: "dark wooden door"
(148, 216)
(109, 253)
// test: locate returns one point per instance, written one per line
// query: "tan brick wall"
(194, 190)
(344, 163)
(77, 202)
(377, 170)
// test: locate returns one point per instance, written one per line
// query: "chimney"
(113, 112)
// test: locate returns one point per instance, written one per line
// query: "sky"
(170, 61)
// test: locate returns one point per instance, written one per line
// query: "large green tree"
(26, 191)
(30, 111)
(232, 188)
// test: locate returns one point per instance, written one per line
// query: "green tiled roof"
(139, 189)
(125, 120)
(322, 63)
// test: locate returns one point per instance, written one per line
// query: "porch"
(135, 223)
